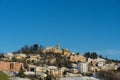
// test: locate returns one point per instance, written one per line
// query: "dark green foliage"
(100, 56)
(77, 53)
(21, 73)
(64, 73)
(93, 55)
(50, 77)
(35, 49)
(26, 49)
(1, 55)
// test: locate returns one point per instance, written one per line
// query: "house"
(31, 68)
(19, 56)
(57, 73)
(96, 60)
(10, 66)
(83, 67)
(52, 49)
(73, 65)
(9, 56)
(66, 52)
(76, 58)
(38, 69)
(52, 67)
(4, 66)
(74, 71)
(33, 57)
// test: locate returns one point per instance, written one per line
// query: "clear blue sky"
(79, 25)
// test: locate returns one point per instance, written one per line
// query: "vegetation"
(49, 58)
(3, 76)
(21, 73)
(93, 55)
(107, 75)
(1, 55)
(34, 49)
(59, 60)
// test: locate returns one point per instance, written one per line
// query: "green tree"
(94, 55)
(26, 49)
(87, 55)
(21, 73)
(107, 75)
(77, 53)
(35, 47)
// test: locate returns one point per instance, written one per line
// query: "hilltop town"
(53, 63)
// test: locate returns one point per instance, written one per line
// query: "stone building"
(10, 66)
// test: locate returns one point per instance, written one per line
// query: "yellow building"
(19, 56)
(52, 49)
(76, 58)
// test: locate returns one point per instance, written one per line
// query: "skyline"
(80, 26)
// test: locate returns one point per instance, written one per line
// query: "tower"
(58, 46)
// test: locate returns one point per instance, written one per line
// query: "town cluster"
(79, 65)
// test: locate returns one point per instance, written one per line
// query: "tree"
(35, 47)
(41, 48)
(100, 56)
(107, 75)
(93, 55)
(64, 73)
(21, 73)
(77, 53)
(1, 55)
(26, 49)
(87, 55)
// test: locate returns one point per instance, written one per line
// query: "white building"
(97, 60)
(83, 67)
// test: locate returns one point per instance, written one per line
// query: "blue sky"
(79, 25)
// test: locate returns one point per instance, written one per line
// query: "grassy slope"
(3, 76)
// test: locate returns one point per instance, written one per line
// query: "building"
(15, 66)
(76, 58)
(52, 49)
(82, 67)
(102, 61)
(10, 66)
(66, 52)
(4, 66)
(19, 56)
(9, 56)
(33, 57)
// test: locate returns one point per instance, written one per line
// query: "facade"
(66, 52)
(9, 56)
(52, 49)
(4, 66)
(19, 55)
(10, 66)
(82, 67)
(15, 66)
(76, 58)
(33, 57)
